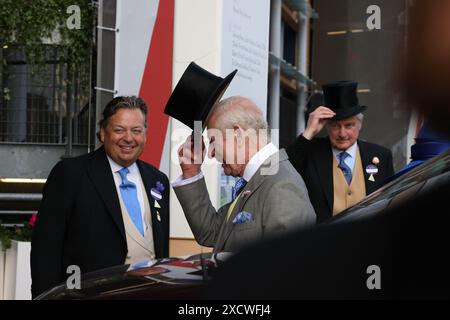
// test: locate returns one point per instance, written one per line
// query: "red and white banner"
(143, 66)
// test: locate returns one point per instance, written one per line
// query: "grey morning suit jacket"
(275, 196)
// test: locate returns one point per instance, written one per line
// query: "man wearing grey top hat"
(338, 170)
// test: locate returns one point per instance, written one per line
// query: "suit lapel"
(149, 180)
(324, 168)
(366, 159)
(249, 190)
(100, 173)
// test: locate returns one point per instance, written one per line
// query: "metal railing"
(15, 217)
(26, 197)
(47, 105)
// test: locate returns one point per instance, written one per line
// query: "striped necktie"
(240, 184)
(344, 167)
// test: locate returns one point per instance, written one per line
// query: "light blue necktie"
(129, 196)
(240, 184)
(344, 167)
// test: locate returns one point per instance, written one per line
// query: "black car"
(167, 278)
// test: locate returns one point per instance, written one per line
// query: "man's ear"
(101, 135)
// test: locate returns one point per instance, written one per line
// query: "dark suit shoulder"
(374, 148)
(370, 150)
(70, 166)
(316, 145)
(78, 161)
(301, 145)
(320, 142)
(158, 173)
(77, 165)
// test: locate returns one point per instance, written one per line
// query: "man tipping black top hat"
(269, 197)
(196, 94)
(342, 98)
(338, 170)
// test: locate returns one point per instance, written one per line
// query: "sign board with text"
(245, 46)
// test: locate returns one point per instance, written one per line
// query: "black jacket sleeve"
(49, 231)
(297, 153)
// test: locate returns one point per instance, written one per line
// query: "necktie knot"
(125, 182)
(240, 184)
(123, 173)
(342, 156)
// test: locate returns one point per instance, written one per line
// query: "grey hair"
(360, 117)
(242, 111)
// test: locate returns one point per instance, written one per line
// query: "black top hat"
(342, 98)
(196, 94)
(314, 101)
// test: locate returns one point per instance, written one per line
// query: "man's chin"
(343, 146)
(127, 160)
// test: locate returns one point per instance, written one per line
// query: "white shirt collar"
(258, 159)
(351, 151)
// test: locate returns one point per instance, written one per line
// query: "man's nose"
(128, 136)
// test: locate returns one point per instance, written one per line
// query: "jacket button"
(349, 193)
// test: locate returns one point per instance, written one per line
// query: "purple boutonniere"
(159, 186)
(157, 191)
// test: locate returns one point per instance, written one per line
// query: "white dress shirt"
(133, 176)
